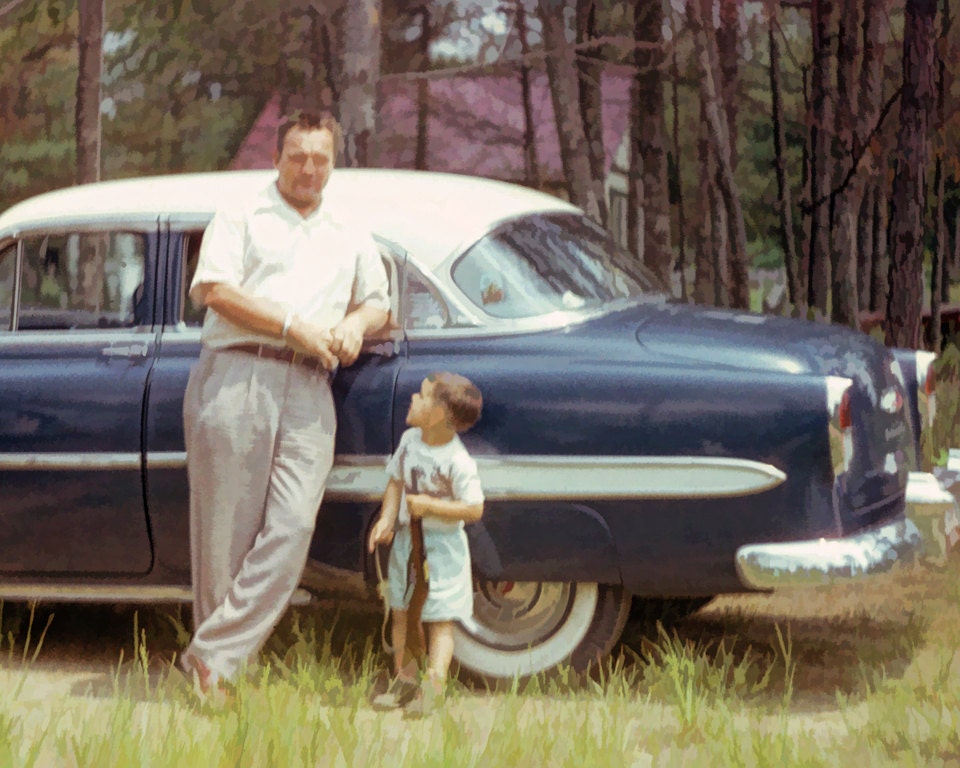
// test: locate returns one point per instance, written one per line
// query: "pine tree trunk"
(648, 138)
(590, 69)
(939, 278)
(909, 183)
(423, 90)
(821, 123)
(565, 97)
(681, 208)
(90, 66)
(361, 75)
(734, 274)
(706, 284)
(846, 203)
(531, 165)
(796, 292)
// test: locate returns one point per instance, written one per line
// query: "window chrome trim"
(17, 287)
(86, 336)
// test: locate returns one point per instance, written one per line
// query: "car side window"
(8, 266)
(82, 280)
(423, 309)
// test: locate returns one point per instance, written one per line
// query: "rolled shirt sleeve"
(371, 286)
(221, 252)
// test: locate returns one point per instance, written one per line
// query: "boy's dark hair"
(459, 396)
(310, 121)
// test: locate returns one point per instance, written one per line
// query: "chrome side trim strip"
(581, 477)
(111, 593)
(69, 461)
(94, 593)
(363, 478)
(826, 561)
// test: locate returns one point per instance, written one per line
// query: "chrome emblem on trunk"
(891, 400)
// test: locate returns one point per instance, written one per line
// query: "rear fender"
(543, 541)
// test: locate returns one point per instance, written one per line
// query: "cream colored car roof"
(432, 215)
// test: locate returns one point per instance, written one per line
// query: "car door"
(76, 346)
(363, 394)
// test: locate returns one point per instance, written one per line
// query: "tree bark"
(565, 96)
(531, 165)
(847, 200)
(876, 38)
(590, 68)
(361, 74)
(90, 67)
(648, 140)
(939, 276)
(681, 208)
(729, 49)
(706, 283)
(423, 91)
(821, 120)
(735, 276)
(795, 287)
(880, 260)
(909, 182)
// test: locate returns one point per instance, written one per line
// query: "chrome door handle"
(128, 350)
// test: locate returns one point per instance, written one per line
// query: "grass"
(865, 674)
(864, 671)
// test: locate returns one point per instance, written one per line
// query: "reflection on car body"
(630, 446)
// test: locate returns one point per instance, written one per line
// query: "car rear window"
(542, 264)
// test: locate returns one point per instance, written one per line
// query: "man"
(291, 290)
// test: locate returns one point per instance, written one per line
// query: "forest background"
(813, 136)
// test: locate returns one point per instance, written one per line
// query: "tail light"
(926, 387)
(841, 422)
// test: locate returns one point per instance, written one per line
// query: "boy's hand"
(417, 505)
(381, 533)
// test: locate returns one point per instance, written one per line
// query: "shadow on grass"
(803, 650)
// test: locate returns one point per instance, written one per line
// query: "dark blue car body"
(633, 447)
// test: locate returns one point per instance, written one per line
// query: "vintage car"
(631, 448)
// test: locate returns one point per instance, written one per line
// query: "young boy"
(432, 477)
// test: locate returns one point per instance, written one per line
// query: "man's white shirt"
(319, 266)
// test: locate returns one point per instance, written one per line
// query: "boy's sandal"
(426, 700)
(398, 694)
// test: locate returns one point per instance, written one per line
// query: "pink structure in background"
(475, 126)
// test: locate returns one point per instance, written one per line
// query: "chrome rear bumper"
(932, 505)
(929, 533)
(824, 561)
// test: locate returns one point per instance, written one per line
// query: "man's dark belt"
(284, 354)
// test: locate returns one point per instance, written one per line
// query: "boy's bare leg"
(398, 637)
(441, 649)
(440, 637)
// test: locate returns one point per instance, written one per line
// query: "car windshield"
(541, 264)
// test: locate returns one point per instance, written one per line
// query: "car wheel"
(520, 628)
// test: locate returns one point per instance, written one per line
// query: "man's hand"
(312, 340)
(381, 533)
(347, 338)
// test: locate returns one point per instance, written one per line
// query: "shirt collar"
(271, 199)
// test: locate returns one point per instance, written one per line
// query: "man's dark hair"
(459, 396)
(311, 121)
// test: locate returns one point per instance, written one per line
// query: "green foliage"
(936, 440)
